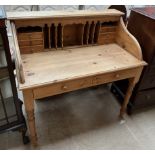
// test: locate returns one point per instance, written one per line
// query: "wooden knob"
(64, 87)
(117, 76)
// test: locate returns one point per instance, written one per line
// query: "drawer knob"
(117, 76)
(64, 87)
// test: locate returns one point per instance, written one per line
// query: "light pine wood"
(67, 64)
(19, 65)
(60, 87)
(58, 14)
(132, 83)
(127, 41)
(55, 71)
(29, 106)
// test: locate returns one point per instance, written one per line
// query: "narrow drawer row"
(62, 87)
(107, 33)
(30, 39)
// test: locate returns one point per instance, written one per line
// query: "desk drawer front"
(108, 29)
(31, 49)
(30, 36)
(106, 38)
(76, 84)
(30, 42)
(59, 88)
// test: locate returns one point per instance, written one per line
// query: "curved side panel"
(19, 65)
(127, 41)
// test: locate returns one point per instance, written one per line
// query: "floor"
(86, 119)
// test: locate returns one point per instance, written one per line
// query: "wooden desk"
(101, 51)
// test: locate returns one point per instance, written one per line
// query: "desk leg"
(127, 96)
(29, 106)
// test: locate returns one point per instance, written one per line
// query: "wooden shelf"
(73, 35)
(33, 39)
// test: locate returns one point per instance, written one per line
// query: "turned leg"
(29, 106)
(127, 96)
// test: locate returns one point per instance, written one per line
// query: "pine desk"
(58, 52)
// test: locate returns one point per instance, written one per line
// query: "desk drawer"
(62, 87)
(31, 49)
(105, 38)
(105, 29)
(30, 42)
(30, 36)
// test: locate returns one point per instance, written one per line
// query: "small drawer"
(107, 35)
(105, 29)
(27, 36)
(113, 76)
(100, 79)
(62, 87)
(105, 38)
(102, 41)
(31, 49)
(30, 42)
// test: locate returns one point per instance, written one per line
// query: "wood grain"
(18, 62)
(127, 41)
(67, 64)
(58, 14)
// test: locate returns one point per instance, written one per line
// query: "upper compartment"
(40, 30)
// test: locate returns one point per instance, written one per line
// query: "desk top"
(59, 14)
(60, 65)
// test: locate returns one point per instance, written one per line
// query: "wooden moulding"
(70, 85)
(30, 39)
(127, 40)
(19, 65)
(107, 32)
(62, 14)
